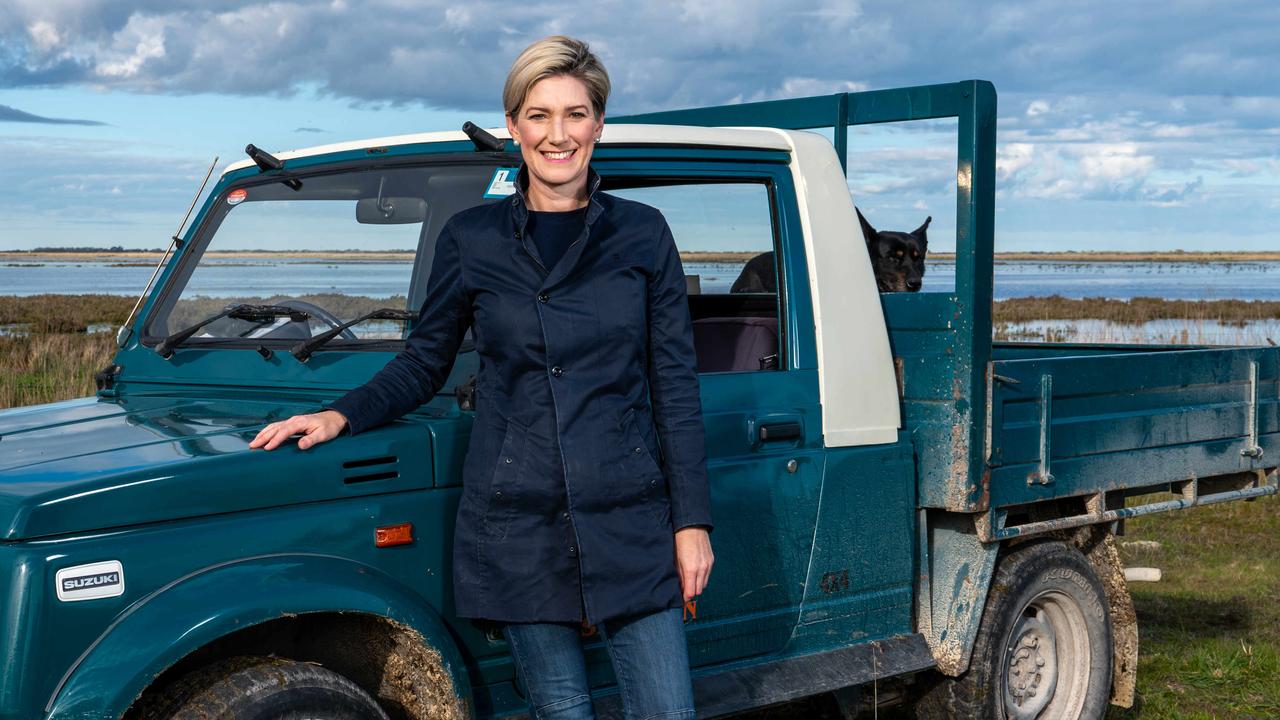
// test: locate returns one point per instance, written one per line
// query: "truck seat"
(728, 344)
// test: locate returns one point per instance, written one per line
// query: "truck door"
(764, 440)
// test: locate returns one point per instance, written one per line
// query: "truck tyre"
(1043, 648)
(263, 688)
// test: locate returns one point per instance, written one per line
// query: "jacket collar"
(520, 202)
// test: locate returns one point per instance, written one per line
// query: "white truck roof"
(857, 383)
(619, 133)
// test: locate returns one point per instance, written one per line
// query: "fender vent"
(379, 468)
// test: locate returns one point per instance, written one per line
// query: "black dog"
(896, 257)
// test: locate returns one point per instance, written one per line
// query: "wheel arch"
(1097, 543)
(220, 601)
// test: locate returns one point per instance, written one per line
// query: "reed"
(63, 313)
(48, 367)
(1133, 312)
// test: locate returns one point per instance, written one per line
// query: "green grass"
(43, 368)
(1209, 631)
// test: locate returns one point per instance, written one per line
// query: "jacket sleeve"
(673, 388)
(416, 373)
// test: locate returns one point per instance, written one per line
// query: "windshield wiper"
(255, 313)
(304, 349)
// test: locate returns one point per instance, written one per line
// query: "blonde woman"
(585, 496)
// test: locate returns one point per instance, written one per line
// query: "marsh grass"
(1133, 312)
(63, 313)
(48, 367)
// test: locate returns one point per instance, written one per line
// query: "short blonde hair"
(549, 57)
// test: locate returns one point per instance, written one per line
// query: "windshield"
(341, 246)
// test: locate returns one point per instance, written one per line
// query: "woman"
(572, 514)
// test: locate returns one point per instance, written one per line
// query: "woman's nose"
(556, 133)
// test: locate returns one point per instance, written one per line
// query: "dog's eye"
(898, 253)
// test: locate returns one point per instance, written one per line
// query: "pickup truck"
(903, 507)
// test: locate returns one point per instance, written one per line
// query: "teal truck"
(901, 505)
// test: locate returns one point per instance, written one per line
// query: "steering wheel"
(314, 311)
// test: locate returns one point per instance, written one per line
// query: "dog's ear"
(868, 232)
(920, 231)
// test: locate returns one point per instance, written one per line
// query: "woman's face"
(557, 128)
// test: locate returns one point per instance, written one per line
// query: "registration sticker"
(503, 183)
(235, 197)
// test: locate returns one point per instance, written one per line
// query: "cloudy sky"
(1124, 125)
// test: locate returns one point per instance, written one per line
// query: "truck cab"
(867, 452)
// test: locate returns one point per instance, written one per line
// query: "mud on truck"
(898, 499)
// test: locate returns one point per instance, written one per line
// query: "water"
(215, 278)
(228, 278)
(1155, 332)
(1123, 280)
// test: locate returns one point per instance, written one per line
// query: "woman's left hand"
(693, 560)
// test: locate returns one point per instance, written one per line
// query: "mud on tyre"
(1043, 649)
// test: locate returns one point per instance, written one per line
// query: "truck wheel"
(260, 688)
(1043, 649)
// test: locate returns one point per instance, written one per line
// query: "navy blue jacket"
(588, 447)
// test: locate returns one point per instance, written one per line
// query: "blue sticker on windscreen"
(503, 182)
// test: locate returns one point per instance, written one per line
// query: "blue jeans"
(650, 660)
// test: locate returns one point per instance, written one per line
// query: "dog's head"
(897, 257)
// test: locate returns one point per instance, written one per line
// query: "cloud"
(11, 114)
(1108, 104)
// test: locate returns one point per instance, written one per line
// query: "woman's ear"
(511, 128)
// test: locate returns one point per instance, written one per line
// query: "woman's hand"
(315, 428)
(693, 560)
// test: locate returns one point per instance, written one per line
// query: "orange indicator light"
(401, 534)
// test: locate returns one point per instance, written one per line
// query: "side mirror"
(391, 210)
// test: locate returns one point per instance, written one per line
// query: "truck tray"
(1075, 431)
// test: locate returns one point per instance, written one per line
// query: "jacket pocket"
(505, 484)
(641, 471)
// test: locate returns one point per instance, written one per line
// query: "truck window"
(725, 234)
(340, 246)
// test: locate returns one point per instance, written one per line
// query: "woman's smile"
(557, 157)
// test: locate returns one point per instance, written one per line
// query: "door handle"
(779, 431)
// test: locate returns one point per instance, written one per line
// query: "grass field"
(1210, 630)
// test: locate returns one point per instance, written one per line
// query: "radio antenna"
(126, 330)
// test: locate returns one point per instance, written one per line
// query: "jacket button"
(636, 451)
(517, 234)
(557, 371)
(573, 550)
(566, 516)
(543, 297)
(497, 493)
(508, 461)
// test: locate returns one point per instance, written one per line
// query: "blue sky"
(1135, 125)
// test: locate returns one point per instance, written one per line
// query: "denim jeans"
(650, 660)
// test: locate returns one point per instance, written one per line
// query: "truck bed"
(1076, 430)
